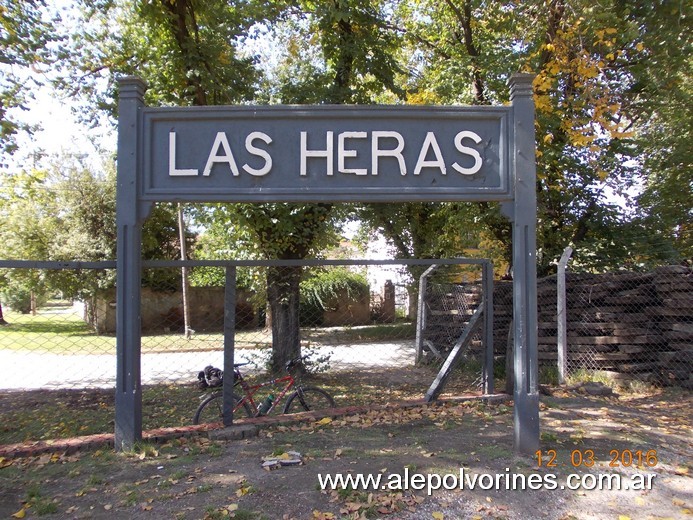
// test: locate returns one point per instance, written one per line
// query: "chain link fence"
(625, 326)
(357, 322)
(452, 296)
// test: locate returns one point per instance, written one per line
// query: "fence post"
(487, 288)
(229, 343)
(524, 221)
(129, 217)
(421, 312)
(562, 314)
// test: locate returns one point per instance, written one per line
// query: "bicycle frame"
(250, 390)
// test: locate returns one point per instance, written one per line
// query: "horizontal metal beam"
(111, 264)
(46, 264)
(309, 262)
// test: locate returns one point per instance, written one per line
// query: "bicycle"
(303, 398)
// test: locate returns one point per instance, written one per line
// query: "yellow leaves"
(243, 490)
(639, 47)
(423, 97)
(542, 103)
(580, 138)
(324, 421)
(20, 514)
(548, 138)
(438, 515)
(542, 82)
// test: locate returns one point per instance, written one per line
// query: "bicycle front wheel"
(308, 398)
(211, 410)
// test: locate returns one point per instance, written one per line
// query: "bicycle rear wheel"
(308, 398)
(211, 409)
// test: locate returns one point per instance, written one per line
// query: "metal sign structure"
(336, 153)
(319, 154)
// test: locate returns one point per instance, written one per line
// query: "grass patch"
(39, 504)
(50, 414)
(60, 329)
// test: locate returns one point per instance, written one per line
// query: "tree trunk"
(2, 318)
(283, 291)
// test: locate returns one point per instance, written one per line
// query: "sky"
(60, 132)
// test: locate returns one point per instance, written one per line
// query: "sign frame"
(136, 194)
(317, 187)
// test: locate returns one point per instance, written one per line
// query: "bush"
(323, 289)
(19, 299)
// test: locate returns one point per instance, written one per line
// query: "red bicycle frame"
(250, 390)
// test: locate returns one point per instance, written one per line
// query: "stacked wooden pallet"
(675, 319)
(634, 325)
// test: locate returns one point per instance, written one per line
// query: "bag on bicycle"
(210, 377)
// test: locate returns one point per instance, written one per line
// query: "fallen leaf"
(20, 514)
(324, 421)
(108, 507)
(438, 515)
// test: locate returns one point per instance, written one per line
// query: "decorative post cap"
(131, 86)
(521, 85)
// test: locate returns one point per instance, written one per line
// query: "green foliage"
(598, 68)
(18, 298)
(46, 218)
(323, 289)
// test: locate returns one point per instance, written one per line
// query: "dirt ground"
(649, 434)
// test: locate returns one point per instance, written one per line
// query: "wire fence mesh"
(624, 325)
(358, 323)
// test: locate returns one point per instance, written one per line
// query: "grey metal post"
(562, 314)
(229, 343)
(487, 284)
(421, 312)
(526, 392)
(129, 217)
